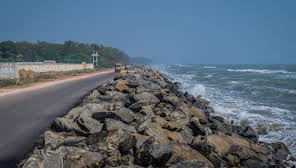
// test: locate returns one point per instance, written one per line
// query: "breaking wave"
(258, 71)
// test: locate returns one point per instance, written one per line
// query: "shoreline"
(133, 114)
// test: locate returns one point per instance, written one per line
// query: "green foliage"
(69, 52)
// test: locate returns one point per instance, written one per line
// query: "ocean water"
(263, 96)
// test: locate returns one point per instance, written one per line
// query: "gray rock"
(190, 163)
(155, 151)
(112, 124)
(145, 98)
(122, 114)
(116, 139)
(280, 150)
(88, 124)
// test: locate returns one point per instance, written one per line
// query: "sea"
(263, 96)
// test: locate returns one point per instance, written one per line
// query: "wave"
(209, 67)
(259, 71)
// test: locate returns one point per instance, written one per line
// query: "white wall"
(10, 70)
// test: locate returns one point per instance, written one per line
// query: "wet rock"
(247, 132)
(280, 150)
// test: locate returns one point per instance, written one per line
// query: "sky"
(167, 31)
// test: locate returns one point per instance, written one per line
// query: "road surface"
(24, 115)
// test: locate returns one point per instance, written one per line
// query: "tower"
(95, 56)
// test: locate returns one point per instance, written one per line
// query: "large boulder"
(118, 139)
(145, 98)
(154, 151)
(112, 124)
(182, 152)
(87, 124)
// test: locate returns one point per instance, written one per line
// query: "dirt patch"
(30, 77)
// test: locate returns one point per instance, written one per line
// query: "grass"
(41, 77)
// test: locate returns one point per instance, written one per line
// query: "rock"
(154, 151)
(187, 134)
(144, 126)
(77, 157)
(112, 124)
(122, 114)
(121, 86)
(280, 150)
(94, 94)
(169, 125)
(44, 159)
(147, 111)
(173, 100)
(197, 128)
(118, 139)
(62, 124)
(126, 166)
(87, 124)
(147, 86)
(190, 163)
(217, 147)
(250, 133)
(182, 152)
(64, 157)
(221, 119)
(145, 98)
(53, 139)
(161, 83)
(174, 136)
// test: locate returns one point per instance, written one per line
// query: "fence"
(10, 70)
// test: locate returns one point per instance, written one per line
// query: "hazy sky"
(168, 31)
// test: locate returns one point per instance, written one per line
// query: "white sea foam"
(210, 67)
(198, 89)
(258, 71)
(233, 82)
(209, 76)
(292, 91)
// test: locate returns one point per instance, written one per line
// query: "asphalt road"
(24, 116)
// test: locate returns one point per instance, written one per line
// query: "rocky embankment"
(142, 120)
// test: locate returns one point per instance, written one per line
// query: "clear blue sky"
(168, 31)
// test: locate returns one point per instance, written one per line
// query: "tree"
(19, 58)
